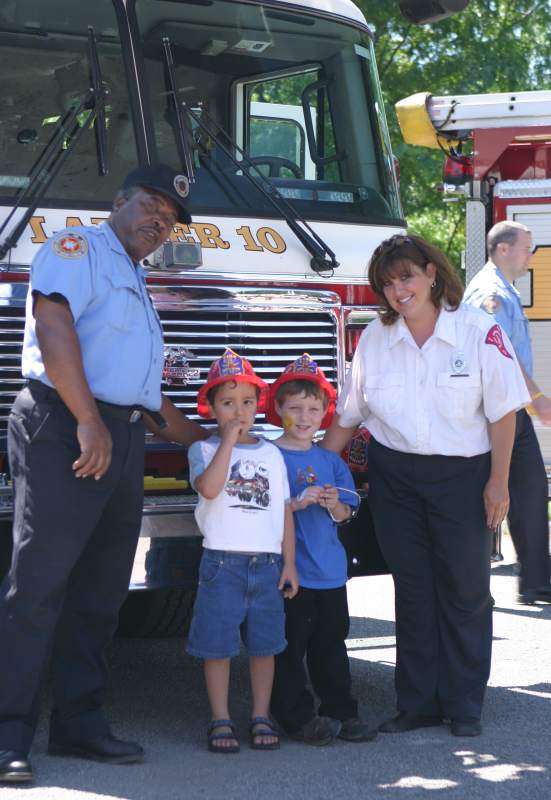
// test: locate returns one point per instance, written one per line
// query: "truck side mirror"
(423, 11)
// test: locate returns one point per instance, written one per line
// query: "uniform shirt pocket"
(125, 303)
(384, 393)
(458, 396)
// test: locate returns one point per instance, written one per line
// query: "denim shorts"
(237, 598)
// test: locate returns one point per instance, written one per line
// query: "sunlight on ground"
(533, 692)
(39, 792)
(486, 767)
(417, 782)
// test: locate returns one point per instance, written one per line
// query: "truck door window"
(276, 136)
(44, 65)
(280, 100)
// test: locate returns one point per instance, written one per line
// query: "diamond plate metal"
(475, 245)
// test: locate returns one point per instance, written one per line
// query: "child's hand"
(288, 581)
(307, 497)
(231, 430)
(329, 497)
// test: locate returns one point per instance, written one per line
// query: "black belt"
(127, 413)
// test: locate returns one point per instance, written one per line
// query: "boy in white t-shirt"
(248, 562)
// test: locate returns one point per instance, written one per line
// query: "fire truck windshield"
(297, 92)
(45, 72)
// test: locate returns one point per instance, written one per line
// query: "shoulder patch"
(491, 304)
(70, 245)
(495, 337)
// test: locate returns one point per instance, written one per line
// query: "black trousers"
(316, 626)
(528, 522)
(74, 544)
(430, 523)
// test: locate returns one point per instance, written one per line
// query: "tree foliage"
(493, 46)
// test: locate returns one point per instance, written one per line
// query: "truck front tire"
(157, 613)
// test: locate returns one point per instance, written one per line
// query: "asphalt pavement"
(158, 698)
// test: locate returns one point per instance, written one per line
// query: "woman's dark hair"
(390, 254)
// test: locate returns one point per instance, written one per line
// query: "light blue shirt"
(491, 291)
(120, 333)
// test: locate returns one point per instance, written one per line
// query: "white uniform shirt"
(437, 399)
(248, 514)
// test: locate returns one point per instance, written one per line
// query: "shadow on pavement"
(158, 698)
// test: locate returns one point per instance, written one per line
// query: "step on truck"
(274, 111)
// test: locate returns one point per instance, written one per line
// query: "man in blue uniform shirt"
(509, 250)
(93, 357)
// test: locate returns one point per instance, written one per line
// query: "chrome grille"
(269, 339)
(12, 326)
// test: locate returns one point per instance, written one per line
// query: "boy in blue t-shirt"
(322, 492)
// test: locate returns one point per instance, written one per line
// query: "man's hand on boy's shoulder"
(288, 581)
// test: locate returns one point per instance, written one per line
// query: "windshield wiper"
(323, 258)
(174, 112)
(90, 110)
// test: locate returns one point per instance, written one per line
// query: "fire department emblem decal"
(70, 245)
(176, 369)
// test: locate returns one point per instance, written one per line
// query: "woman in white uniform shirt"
(437, 384)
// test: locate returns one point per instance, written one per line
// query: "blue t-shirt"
(320, 557)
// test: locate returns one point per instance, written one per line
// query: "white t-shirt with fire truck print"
(248, 514)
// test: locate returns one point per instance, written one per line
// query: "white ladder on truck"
(498, 110)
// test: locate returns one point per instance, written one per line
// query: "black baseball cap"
(165, 180)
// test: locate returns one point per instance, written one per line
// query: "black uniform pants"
(528, 522)
(429, 519)
(316, 626)
(74, 544)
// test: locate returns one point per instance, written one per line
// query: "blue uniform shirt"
(120, 334)
(320, 556)
(491, 291)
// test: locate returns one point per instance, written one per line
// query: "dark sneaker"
(356, 730)
(319, 731)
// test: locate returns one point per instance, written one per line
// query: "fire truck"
(273, 110)
(498, 160)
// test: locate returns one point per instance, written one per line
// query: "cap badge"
(230, 364)
(303, 364)
(181, 185)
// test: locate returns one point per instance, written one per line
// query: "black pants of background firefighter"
(74, 544)
(527, 518)
(430, 523)
(316, 626)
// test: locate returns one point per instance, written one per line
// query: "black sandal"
(262, 726)
(223, 735)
